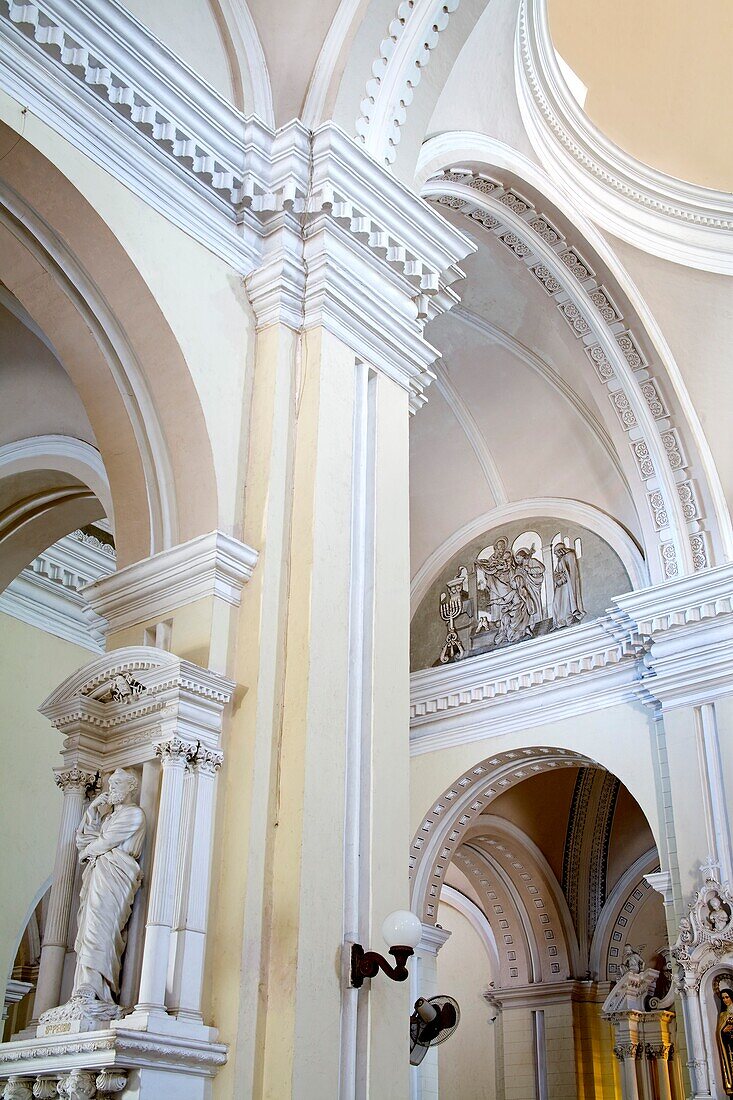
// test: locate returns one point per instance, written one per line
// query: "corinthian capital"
(175, 750)
(208, 761)
(70, 779)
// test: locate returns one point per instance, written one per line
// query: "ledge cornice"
(657, 213)
(666, 646)
(213, 565)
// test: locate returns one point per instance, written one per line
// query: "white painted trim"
(678, 221)
(240, 23)
(503, 827)
(46, 593)
(213, 565)
(413, 34)
(632, 876)
(62, 453)
(466, 147)
(478, 921)
(572, 511)
(325, 67)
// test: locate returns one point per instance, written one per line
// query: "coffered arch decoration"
(512, 205)
(632, 906)
(459, 807)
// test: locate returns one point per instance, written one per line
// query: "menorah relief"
(511, 593)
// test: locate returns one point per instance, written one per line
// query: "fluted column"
(73, 783)
(189, 934)
(627, 1053)
(174, 754)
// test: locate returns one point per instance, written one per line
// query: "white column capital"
(175, 751)
(347, 247)
(74, 779)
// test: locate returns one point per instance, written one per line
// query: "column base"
(157, 1064)
(157, 1021)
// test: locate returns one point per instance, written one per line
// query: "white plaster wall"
(32, 663)
(466, 1061)
(27, 369)
(189, 28)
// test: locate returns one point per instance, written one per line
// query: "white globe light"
(402, 929)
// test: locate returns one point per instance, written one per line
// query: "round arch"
(590, 309)
(78, 285)
(571, 510)
(630, 890)
(459, 806)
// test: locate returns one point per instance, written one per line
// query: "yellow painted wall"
(32, 663)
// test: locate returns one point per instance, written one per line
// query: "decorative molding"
(669, 646)
(413, 34)
(47, 594)
(595, 319)
(459, 807)
(614, 908)
(166, 700)
(304, 215)
(214, 565)
(661, 881)
(59, 452)
(477, 919)
(678, 221)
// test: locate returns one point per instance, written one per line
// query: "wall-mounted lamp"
(402, 932)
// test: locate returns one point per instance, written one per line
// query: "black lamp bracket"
(367, 964)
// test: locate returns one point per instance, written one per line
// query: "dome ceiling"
(661, 85)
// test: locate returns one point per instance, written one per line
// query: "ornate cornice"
(670, 645)
(213, 565)
(306, 216)
(47, 593)
(672, 219)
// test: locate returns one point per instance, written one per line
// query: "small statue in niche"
(110, 840)
(456, 611)
(567, 603)
(718, 917)
(724, 1036)
(635, 984)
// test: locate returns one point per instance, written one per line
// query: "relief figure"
(567, 604)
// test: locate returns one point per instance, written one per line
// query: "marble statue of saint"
(718, 916)
(567, 604)
(109, 846)
(636, 983)
(724, 1035)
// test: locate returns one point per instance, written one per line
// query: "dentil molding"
(305, 215)
(214, 565)
(667, 646)
(47, 593)
(670, 218)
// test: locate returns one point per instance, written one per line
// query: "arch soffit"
(64, 454)
(620, 897)
(557, 507)
(520, 961)
(662, 450)
(444, 826)
(532, 875)
(127, 366)
(477, 919)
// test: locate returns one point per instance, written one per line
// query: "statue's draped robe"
(567, 605)
(108, 890)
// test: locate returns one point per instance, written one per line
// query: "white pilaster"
(174, 756)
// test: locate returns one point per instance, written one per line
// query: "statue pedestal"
(147, 1064)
